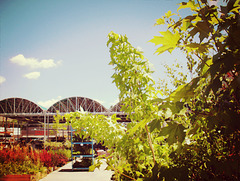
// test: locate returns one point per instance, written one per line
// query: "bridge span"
(30, 115)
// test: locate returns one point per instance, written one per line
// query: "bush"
(60, 148)
(46, 158)
(17, 160)
(25, 160)
(59, 157)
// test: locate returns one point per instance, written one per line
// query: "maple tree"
(212, 97)
(192, 134)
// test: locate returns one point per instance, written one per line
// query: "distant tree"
(57, 126)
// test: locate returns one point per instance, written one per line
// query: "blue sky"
(54, 49)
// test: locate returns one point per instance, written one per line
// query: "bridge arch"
(18, 105)
(116, 108)
(73, 104)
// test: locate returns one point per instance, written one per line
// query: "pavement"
(66, 173)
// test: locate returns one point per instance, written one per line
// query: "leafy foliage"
(57, 126)
(192, 134)
(212, 98)
(17, 159)
(168, 40)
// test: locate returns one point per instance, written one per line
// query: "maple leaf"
(168, 40)
(175, 131)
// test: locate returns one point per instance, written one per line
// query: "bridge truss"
(27, 111)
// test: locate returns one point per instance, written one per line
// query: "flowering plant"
(46, 158)
(25, 160)
(19, 160)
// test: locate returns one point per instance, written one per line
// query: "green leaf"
(235, 10)
(193, 32)
(202, 28)
(157, 100)
(185, 91)
(138, 125)
(189, 4)
(185, 25)
(174, 131)
(201, 48)
(236, 7)
(160, 21)
(140, 147)
(155, 124)
(175, 107)
(169, 14)
(206, 66)
(168, 40)
(190, 18)
(194, 129)
(92, 168)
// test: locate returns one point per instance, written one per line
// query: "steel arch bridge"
(73, 104)
(30, 115)
(26, 110)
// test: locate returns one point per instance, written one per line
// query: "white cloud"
(2, 79)
(49, 103)
(34, 63)
(32, 75)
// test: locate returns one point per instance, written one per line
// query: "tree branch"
(150, 143)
